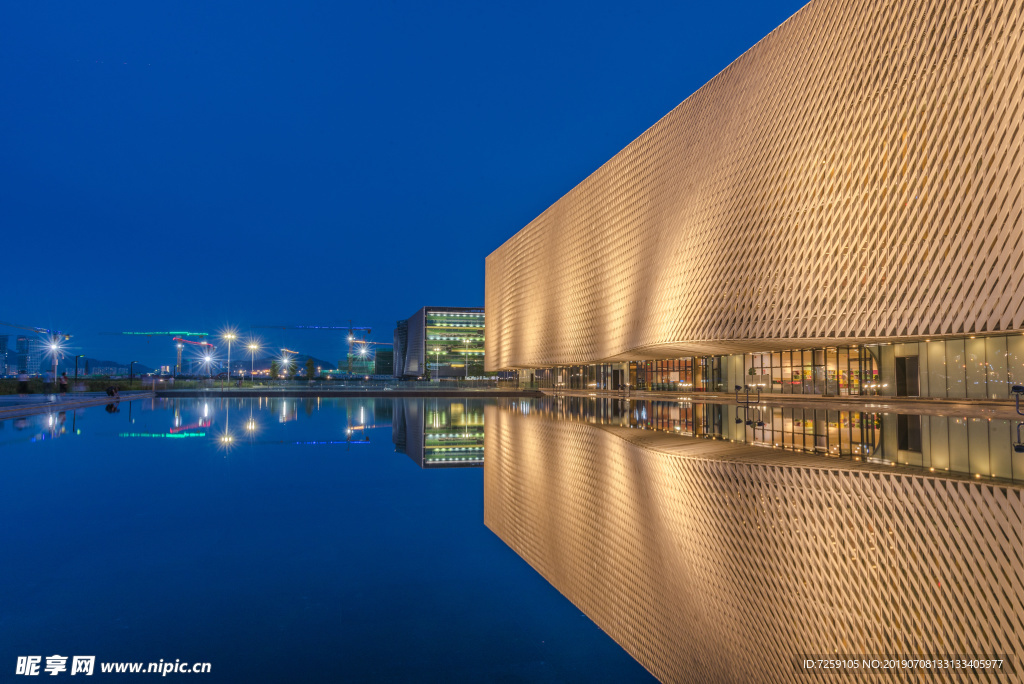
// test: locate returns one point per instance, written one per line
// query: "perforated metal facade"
(854, 176)
(712, 561)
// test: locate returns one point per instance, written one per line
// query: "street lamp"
(77, 356)
(55, 352)
(131, 373)
(208, 361)
(253, 348)
(229, 336)
(437, 362)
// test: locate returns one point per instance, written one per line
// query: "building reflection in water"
(440, 433)
(719, 561)
(974, 445)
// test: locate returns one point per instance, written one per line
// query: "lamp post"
(131, 373)
(77, 356)
(253, 348)
(437, 362)
(54, 352)
(229, 336)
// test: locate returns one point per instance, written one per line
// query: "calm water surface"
(280, 541)
(361, 540)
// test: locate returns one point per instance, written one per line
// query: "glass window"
(956, 370)
(1015, 359)
(843, 371)
(996, 358)
(976, 369)
(936, 352)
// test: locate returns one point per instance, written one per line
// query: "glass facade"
(971, 367)
(440, 343)
(454, 343)
(835, 371)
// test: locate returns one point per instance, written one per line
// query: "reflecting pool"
(563, 539)
(716, 559)
(280, 541)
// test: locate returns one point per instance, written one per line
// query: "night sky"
(192, 165)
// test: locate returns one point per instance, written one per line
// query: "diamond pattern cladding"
(708, 569)
(856, 175)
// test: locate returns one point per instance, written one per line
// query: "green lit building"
(440, 433)
(440, 342)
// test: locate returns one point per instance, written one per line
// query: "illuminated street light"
(55, 350)
(230, 336)
(254, 347)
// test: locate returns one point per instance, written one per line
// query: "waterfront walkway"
(16, 406)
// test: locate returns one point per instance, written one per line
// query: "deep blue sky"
(188, 165)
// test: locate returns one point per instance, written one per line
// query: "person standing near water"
(64, 382)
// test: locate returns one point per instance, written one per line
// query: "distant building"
(358, 363)
(3, 354)
(440, 433)
(440, 342)
(384, 362)
(401, 342)
(29, 354)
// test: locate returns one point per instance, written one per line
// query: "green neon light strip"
(180, 435)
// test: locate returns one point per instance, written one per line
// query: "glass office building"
(440, 343)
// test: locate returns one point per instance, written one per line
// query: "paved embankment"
(32, 404)
(367, 393)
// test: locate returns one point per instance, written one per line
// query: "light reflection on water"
(280, 540)
(669, 524)
(985, 446)
(714, 560)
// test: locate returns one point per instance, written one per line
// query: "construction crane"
(352, 331)
(181, 345)
(40, 331)
(176, 336)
